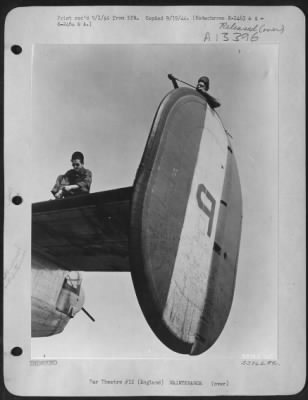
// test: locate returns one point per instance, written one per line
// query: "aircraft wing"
(84, 233)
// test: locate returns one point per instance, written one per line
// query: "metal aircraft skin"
(57, 296)
(177, 230)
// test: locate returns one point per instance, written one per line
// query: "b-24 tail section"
(177, 229)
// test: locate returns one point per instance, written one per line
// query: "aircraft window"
(72, 283)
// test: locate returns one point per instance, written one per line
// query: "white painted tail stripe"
(189, 280)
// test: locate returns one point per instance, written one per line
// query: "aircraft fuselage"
(56, 296)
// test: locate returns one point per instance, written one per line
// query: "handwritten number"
(254, 37)
(235, 37)
(225, 36)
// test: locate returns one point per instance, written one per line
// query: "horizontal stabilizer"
(84, 233)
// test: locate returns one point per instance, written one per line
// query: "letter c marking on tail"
(209, 212)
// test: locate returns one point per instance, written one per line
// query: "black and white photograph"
(193, 213)
(153, 210)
